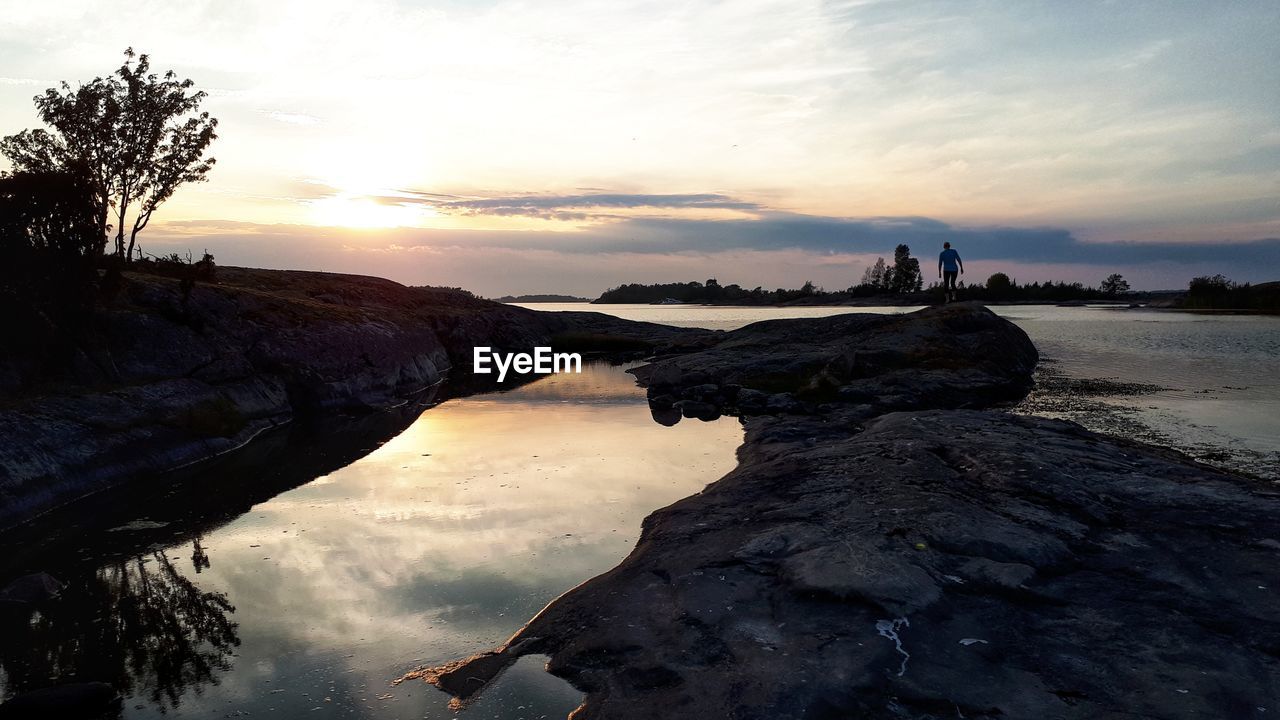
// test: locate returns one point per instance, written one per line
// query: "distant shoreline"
(542, 298)
(870, 302)
(884, 302)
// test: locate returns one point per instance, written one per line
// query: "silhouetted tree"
(1115, 284)
(49, 247)
(48, 228)
(876, 275)
(999, 285)
(136, 135)
(1216, 291)
(904, 276)
(1210, 285)
(49, 244)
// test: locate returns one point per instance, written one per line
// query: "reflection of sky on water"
(440, 543)
(447, 538)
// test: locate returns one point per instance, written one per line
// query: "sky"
(562, 146)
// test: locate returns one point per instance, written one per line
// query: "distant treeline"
(1209, 292)
(999, 287)
(709, 292)
(541, 299)
(1215, 292)
(901, 282)
(902, 279)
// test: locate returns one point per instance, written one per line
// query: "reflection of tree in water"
(199, 558)
(138, 624)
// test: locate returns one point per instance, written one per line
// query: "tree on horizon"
(904, 276)
(135, 135)
(1115, 284)
(876, 275)
(999, 284)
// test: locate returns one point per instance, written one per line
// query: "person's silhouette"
(949, 265)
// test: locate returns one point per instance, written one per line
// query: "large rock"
(934, 564)
(959, 355)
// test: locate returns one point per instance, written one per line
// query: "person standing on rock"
(949, 265)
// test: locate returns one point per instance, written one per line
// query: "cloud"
(822, 236)
(608, 200)
(568, 207)
(292, 118)
(781, 231)
(1019, 113)
(666, 223)
(771, 250)
(308, 189)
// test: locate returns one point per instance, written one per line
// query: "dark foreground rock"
(163, 381)
(960, 355)
(865, 562)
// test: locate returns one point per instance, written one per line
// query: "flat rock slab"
(949, 563)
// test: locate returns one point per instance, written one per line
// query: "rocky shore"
(892, 545)
(165, 381)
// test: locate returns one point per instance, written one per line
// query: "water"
(438, 543)
(1219, 377)
(1219, 374)
(712, 317)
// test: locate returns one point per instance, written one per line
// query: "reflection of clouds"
(289, 679)
(446, 538)
(598, 382)
(470, 597)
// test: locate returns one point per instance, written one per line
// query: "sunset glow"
(343, 210)
(1114, 124)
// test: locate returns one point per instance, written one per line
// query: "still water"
(438, 543)
(1216, 377)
